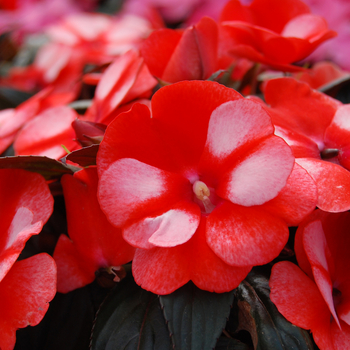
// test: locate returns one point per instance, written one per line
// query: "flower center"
(202, 193)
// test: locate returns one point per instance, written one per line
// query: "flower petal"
(297, 199)
(208, 271)
(162, 270)
(20, 230)
(72, 271)
(174, 227)
(234, 124)
(260, 176)
(25, 292)
(239, 237)
(318, 254)
(333, 184)
(141, 190)
(297, 297)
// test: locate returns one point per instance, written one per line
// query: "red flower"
(317, 129)
(26, 286)
(94, 243)
(317, 296)
(193, 187)
(173, 55)
(12, 120)
(274, 32)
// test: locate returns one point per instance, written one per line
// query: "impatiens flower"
(93, 242)
(274, 32)
(316, 296)
(173, 56)
(317, 129)
(192, 184)
(26, 286)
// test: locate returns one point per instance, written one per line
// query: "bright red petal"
(287, 97)
(333, 184)
(72, 270)
(95, 243)
(25, 292)
(297, 199)
(208, 271)
(297, 297)
(238, 235)
(162, 270)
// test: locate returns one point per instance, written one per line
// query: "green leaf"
(196, 317)
(259, 316)
(49, 168)
(131, 318)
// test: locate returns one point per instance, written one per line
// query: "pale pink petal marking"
(261, 176)
(315, 246)
(170, 229)
(235, 123)
(126, 184)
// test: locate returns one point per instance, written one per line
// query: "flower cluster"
(189, 154)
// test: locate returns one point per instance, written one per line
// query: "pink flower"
(195, 185)
(26, 286)
(316, 295)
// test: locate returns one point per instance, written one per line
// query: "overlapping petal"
(94, 243)
(238, 235)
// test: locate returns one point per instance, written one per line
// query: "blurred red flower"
(274, 32)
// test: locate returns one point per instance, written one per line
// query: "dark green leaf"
(85, 156)
(196, 317)
(258, 315)
(49, 168)
(225, 343)
(131, 318)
